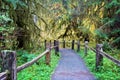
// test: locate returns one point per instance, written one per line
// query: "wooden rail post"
(99, 57)
(50, 43)
(9, 63)
(78, 46)
(57, 48)
(73, 41)
(48, 57)
(63, 43)
(45, 44)
(54, 42)
(86, 49)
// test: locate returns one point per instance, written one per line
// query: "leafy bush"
(106, 46)
(109, 70)
(23, 56)
(39, 70)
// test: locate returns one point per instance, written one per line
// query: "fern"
(4, 18)
(116, 41)
(117, 12)
(15, 3)
(113, 3)
(115, 31)
(101, 35)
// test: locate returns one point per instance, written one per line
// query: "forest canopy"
(25, 23)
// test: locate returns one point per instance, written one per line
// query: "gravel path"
(71, 67)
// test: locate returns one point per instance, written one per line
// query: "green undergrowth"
(109, 70)
(39, 70)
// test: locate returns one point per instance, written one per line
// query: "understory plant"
(109, 70)
(39, 70)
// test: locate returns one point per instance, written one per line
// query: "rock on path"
(71, 67)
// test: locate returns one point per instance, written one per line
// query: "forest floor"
(71, 67)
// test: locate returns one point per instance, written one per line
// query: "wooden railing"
(9, 69)
(100, 54)
(9, 57)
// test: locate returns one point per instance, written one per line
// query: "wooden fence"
(9, 69)
(8, 58)
(100, 54)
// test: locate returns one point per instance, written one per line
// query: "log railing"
(9, 69)
(100, 54)
(19, 68)
(8, 65)
(3, 75)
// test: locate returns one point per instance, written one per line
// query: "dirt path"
(71, 67)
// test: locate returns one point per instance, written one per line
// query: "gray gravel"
(71, 67)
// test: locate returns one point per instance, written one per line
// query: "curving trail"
(71, 67)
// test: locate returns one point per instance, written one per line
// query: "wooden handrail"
(107, 56)
(91, 48)
(110, 58)
(99, 56)
(19, 68)
(3, 75)
(53, 47)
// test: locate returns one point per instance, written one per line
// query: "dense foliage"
(109, 70)
(24, 24)
(39, 70)
(76, 19)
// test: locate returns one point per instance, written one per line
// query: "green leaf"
(117, 40)
(101, 34)
(117, 12)
(5, 18)
(116, 31)
(113, 3)
(2, 29)
(16, 2)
